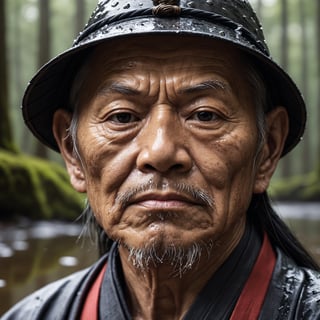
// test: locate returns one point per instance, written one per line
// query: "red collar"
(253, 294)
(90, 309)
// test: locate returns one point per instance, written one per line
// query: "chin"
(163, 250)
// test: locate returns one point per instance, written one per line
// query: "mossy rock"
(36, 189)
(298, 188)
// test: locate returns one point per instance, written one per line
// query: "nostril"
(149, 167)
(177, 167)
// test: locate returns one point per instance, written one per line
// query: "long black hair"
(264, 217)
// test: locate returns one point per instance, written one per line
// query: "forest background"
(33, 31)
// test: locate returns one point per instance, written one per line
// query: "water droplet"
(127, 6)
(238, 32)
(20, 245)
(210, 2)
(222, 33)
(191, 4)
(68, 261)
(3, 283)
(114, 4)
(5, 251)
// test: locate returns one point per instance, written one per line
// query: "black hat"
(233, 22)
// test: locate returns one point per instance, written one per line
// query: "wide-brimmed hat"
(233, 22)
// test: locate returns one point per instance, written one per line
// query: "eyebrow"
(117, 88)
(203, 86)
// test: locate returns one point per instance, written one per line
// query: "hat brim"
(49, 90)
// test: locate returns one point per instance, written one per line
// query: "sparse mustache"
(199, 195)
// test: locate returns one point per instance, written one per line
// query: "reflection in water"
(32, 256)
(304, 220)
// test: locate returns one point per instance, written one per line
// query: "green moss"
(298, 188)
(36, 189)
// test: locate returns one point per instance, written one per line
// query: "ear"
(60, 127)
(277, 127)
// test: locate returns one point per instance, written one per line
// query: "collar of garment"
(216, 300)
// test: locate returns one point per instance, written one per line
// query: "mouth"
(172, 196)
(163, 201)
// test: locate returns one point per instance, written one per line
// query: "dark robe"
(293, 292)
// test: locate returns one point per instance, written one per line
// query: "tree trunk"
(284, 35)
(44, 32)
(284, 61)
(44, 54)
(318, 68)
(6, 138)
(80, 15)
(259, 8)
(306, 157)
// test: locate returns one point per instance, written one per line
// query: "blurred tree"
(284, 61)
(259, 8)
(18, 51)
(304, 81)
(318, 70)
(44, 54)
(6, 138)
(80, 15)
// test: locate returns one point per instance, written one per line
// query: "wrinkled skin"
(155, 122)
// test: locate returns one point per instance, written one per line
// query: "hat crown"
(239, 12)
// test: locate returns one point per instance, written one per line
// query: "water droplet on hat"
(210, 2)
(222, 33)
(114, 4)
(238, 32)
(191, 4)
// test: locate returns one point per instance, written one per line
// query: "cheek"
(106, 166)
(222, 161)
(107, 162)
(228, 167)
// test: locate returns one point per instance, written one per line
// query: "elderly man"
(171, 117)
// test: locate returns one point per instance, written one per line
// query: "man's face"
(168, 139)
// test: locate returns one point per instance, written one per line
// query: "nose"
(163, 144)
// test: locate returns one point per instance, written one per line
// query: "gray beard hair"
(180, 259)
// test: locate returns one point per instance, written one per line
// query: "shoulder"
(309, 304)
(58, 299)
(294, 292)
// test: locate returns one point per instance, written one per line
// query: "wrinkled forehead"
(168, 48)
(177, 57)
(187, 55)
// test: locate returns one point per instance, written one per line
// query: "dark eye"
(205, 116)
(123, 117)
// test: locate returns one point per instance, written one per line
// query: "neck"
(160, 292)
